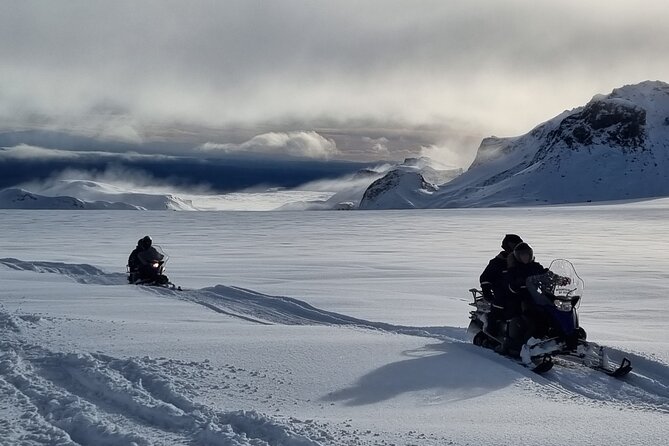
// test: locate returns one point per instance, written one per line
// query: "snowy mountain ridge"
(416, 175)
(411, 182)
(86, 194)
(616, 147)
(17, 198)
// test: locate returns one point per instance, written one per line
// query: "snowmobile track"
(81, 398)
(645, 388)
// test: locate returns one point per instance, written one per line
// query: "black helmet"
(523, 253)
(145, 242)
(510, 241)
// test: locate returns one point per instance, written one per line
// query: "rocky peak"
(395, 182)
(616, 122)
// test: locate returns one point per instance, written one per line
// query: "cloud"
(300, 144)
(443, 157)
(221, 173)
(378, 146)
(137, 69)
(28, 152)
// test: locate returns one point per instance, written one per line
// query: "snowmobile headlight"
(155, 264)
(563, 305)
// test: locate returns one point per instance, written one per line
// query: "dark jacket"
(493, 280)
(149, 255)
(516, 277)
(133, 260)
(140, 257)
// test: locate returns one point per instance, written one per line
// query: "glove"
(562, 281)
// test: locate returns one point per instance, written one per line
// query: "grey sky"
(442, 72)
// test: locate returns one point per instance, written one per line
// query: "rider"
(141, 260)
(526, 319)
(493, 279)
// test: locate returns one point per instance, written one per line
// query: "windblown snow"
(274, 342)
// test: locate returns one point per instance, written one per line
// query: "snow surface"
(319, 328)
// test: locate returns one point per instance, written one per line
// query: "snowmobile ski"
(545, 364)
(623, 369)
(620, 371)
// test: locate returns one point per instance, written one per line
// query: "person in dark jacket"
(133, 260)
(494, 284)
(140, 260)
(526, 319)
(520, 266)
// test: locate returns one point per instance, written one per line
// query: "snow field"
(314, 335)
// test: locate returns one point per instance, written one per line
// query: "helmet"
(510, 241)
(145, 242)
(523, 253)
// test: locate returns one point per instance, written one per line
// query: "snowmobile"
(153, 272)
(554, 298)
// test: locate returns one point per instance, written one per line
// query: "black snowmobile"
(151, 270)
(555, 297)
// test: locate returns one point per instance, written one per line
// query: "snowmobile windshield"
(559, 283)
(162, 252)
(568, 283)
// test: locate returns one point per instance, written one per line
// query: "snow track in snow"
(264, 308)
(81, 273)
(645, 388)
(82, 398)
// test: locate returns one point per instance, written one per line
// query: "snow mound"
(82, 273)
(236, 302)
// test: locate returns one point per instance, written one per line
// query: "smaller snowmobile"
(554, 325)
(151, 271)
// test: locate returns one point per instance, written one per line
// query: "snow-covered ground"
(319, 328)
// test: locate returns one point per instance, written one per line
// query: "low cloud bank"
(220, 174)
(300, 144)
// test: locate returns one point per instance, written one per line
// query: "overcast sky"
(372, 77)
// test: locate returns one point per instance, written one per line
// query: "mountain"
(412, 175)
(616, 147)
(85, 194)
(88, 190)
(15, 198)
(406, 185)
(399, 189)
